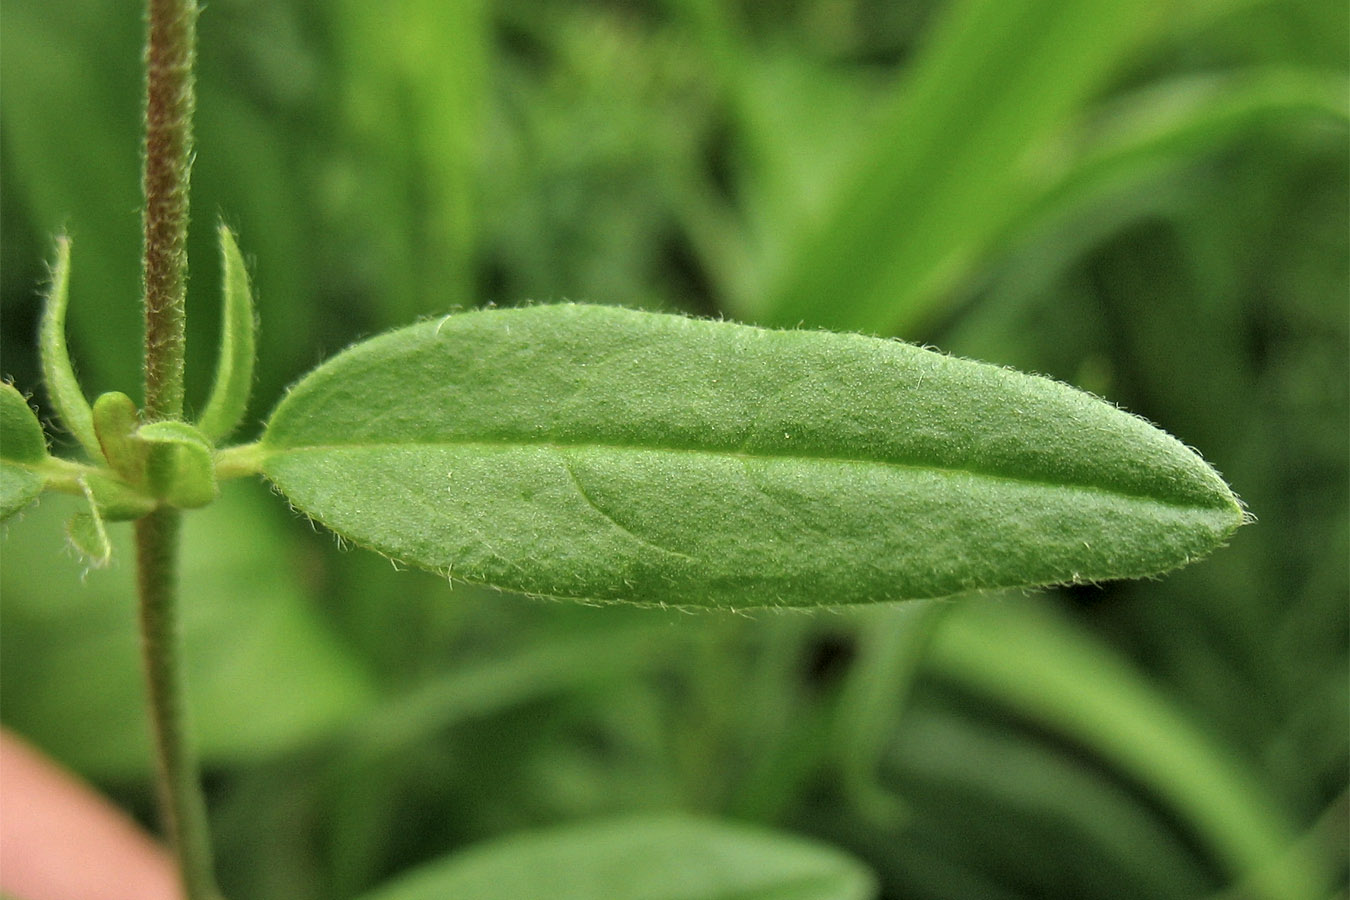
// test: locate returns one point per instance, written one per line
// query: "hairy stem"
(180, 795)
(169, 99)
(169, 58)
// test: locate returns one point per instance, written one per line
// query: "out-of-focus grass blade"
(798, 120)
(487, 689)
(954, 156)
(1142, 135)
(415, 74)
(1045, 670)
(72, 155)
(876, 695)
(976, 790)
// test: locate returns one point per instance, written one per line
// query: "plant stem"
(180, 795)
(169, 57)
(238, 462)
(169, 100)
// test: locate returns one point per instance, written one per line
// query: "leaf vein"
(561, 447)
(581, 490)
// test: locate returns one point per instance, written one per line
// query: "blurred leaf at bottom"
(655, 857)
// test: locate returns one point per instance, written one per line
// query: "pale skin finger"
(60, 840)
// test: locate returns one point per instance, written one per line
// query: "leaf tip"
(228, 402)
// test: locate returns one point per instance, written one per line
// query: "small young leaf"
(179, 467)
(604, 454)
(87, 533)
(234, 369)
(89, 538)
(57, 371)
(652, 857)
(21, 437)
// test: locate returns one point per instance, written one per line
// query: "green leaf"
(651, 857)
(21, 437)
(57, 370)
(21, 443)
(18, 488)
(604, 454)
(234, 370)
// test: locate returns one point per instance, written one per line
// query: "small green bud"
(115, 422)
(180, 468)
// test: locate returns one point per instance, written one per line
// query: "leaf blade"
(18, 488)
(22, 444)
(88, 534)
(58, 372)
(21, 437)
(650, 857)
(234, 369)
(606, 454)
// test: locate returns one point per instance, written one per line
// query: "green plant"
(645, 420)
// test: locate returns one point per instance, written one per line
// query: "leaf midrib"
(1218, 506)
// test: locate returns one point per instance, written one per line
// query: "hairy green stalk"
(169, 58)
(180, 796)
(169, 101)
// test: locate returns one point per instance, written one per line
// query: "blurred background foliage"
(1145, 199)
